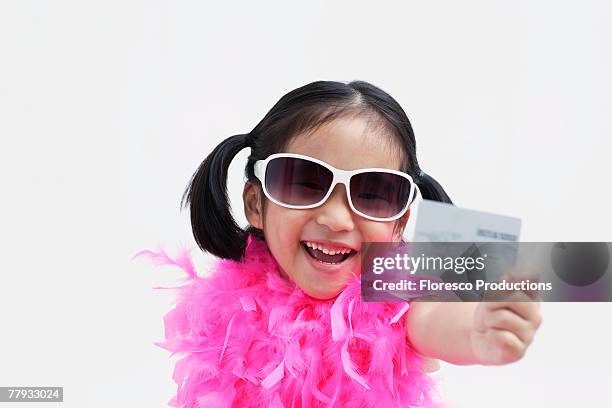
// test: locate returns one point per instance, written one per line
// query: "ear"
(400, 225)
(253, 209)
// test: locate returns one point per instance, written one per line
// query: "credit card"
(441, 222)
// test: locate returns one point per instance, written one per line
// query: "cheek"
(283, 224)
(283, 228)
(373, 231)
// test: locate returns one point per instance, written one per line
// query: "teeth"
(327, 251)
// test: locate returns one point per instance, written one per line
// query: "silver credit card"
(441, 222)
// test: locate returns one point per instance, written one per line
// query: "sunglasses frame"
(339, 177)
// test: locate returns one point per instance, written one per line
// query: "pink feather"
(247, 337)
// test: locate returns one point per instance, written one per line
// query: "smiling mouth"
(324, 258)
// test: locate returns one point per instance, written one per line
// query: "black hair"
(300, 110)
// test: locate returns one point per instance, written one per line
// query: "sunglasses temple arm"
(414, 194)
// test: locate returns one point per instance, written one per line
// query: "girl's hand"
(502, 331)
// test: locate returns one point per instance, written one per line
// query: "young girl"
(279, 322)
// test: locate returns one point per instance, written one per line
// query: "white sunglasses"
(301, 182)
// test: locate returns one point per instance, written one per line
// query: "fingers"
(523, 303)
(519, 275)
(506, 320)
(520, 304)
(524, 280)
(506, 323)
(509, 347)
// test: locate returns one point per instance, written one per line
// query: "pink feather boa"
(250, 338)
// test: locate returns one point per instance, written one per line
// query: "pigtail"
(212, 223)
(430, 189)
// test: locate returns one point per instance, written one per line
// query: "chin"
(326, 294)
(321, 296)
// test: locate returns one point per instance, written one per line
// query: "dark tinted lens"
(296, 181)
(379, 194)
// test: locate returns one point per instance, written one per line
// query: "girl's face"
(347, 143)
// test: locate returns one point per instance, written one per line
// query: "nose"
(336, 213)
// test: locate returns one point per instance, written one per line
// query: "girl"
(280, 322)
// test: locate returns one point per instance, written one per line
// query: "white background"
(107, 108)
